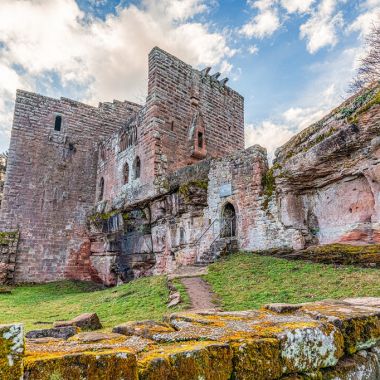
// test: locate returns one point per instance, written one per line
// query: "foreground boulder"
(57, 332)
(326, 340)
(11, 351)
(86, 321)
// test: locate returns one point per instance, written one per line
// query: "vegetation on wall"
(184, 189)
(8, 237)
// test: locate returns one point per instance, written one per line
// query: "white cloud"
(322, 94)
(321, 29)
(253, 49)
(262, 25)
(98, 60)
(300, 6)
(265, 23)
(365, 21)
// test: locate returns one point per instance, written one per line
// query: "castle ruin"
(119, 191)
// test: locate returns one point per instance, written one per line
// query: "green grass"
(248, 281)
(144, 298)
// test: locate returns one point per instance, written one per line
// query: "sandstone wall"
(188, 102)
(181, 103)
(328, 176)
(50, 182)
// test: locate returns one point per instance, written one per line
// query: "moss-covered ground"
(248, 281)
(144, 298)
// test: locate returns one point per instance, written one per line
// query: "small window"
(101, 189)
(172, 126)
(137, 167)
(126, 173)
(58, 123)
(181, 235)
(200, 140)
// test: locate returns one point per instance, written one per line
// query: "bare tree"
(369, 69)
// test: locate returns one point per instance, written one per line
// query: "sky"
(292, 60)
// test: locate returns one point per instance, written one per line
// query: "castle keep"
(118, 191)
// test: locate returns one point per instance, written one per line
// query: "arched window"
(58, 123)
(228, 221)
(126, 173)
(137, 167)
(101, 189)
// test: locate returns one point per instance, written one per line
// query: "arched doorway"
(228, 226)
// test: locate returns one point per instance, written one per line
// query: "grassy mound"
(340, 254)
(37, 306)
(247, 281)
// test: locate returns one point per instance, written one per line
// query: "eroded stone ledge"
(322, 340)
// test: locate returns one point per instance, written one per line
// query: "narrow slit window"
(58, 123)
(137, 167)
(126, 173)
(200, 140)
(101, 189)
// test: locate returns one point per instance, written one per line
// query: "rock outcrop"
(323, 340)
(328, 176)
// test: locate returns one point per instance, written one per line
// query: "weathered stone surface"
(63, 332)
(257, 359)
(145, 329)
(327, 176)
(282, 307)
(86, 321)
(328, 340)
(11, 351)
(195, 360)
(116, 364)
(359, 323)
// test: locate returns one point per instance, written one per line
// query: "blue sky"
(292, 60)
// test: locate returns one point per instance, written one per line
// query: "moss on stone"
(116, 364)
(8, 237)
(268, 184)
(354, 117)
(257, 359)
(184, 189)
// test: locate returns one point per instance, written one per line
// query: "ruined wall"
(189, 102)
(154, 235)
(182, 103)
(243, 180)
(51, 179)
(3, 165)
(328, 176)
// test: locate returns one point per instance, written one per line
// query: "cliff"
(328, 176)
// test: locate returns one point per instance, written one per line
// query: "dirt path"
(200, 293)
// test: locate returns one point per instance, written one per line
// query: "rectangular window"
(200, 140)
(58, 123)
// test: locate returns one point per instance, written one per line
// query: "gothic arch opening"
(228, 221)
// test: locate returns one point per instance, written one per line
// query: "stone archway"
(228, 221)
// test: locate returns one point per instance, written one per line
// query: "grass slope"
(144, 298)
(248, 281)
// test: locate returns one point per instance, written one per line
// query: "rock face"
(328, 176)
(327, 340)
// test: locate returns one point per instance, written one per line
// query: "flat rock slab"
(57, 332)
(188, 271)
(86, 321)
